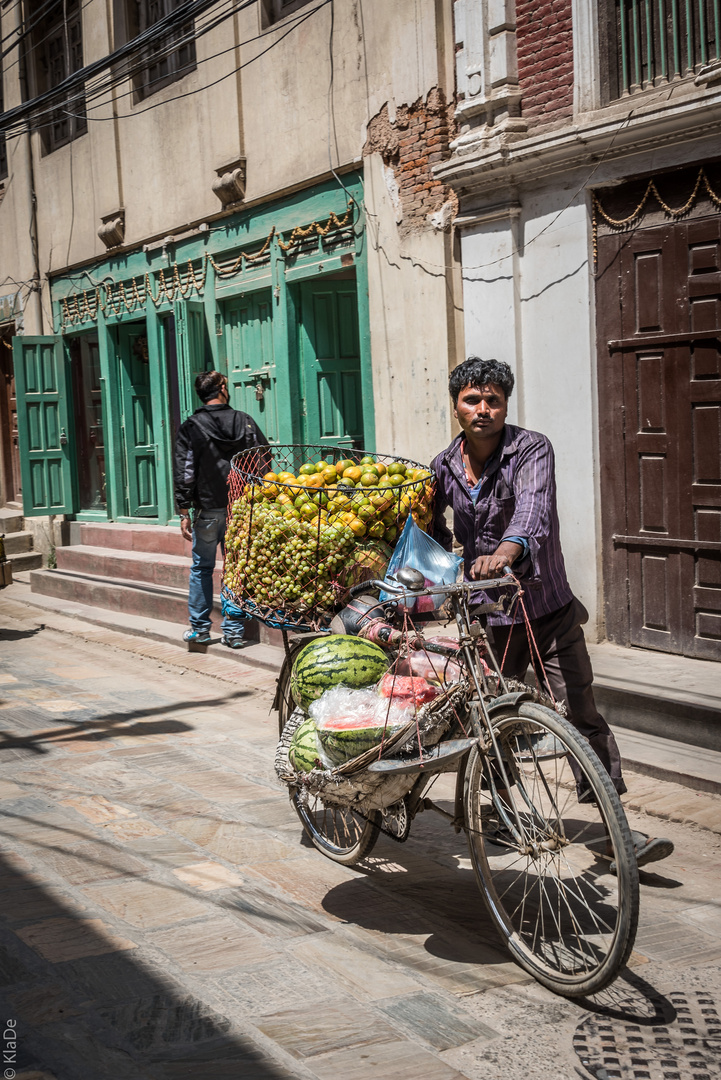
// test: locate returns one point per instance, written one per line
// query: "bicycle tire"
(340, 834)
(564, 918)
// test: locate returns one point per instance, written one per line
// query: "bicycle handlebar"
(457, 588)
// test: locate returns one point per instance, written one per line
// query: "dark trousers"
(569, 674)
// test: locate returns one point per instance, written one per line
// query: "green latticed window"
(650, 43)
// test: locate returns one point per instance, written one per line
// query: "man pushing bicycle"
(499, 480)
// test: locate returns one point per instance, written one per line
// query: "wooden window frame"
(639, 51)
(139, 17)
(274, 11)
(56, 51)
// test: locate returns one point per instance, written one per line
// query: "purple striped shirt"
(517, 499)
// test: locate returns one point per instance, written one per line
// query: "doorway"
(9, 450)
(139, 449)
(252, 381)
(89, 431)
(330, 365)
(659, 352)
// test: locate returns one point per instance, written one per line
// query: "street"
(164, 917)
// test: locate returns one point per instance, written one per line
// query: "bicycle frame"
(480, 712)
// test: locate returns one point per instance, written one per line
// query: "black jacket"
(206, 442)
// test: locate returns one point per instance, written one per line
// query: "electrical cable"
(206, 86)
(23, 30)
(75, 81)
(423, 263)
(102, 90)
(99, 95)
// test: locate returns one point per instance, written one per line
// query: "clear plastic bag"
(439, 567)
(349, 722)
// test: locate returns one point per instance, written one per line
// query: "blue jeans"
(208, 532)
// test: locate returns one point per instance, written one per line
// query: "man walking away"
(205, 445)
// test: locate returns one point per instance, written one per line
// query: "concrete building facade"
(587, 172)
(245, 186)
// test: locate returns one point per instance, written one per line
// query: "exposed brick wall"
(545, 59)
(411, 145)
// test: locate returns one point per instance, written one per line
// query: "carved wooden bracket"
(230, 185)
(112, 230)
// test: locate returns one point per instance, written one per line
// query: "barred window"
(57, 51)
(170, 56)
(646, 45)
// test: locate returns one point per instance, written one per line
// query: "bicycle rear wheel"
(341, 834)
(542, 858)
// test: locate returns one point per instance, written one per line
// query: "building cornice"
(618, 131)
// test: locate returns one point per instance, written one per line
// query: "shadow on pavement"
(18, 635)
(103, 727)
(414, 896)
(88, 1004)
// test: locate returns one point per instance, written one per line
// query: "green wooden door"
(193, 350)
(136, 404)
(252, 377)
(45, 426)
(330, 370)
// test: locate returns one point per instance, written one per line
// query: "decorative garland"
(84, 306)
(651, 189)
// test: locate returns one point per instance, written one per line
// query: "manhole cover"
(685, 1047)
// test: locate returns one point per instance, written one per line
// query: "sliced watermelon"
(404, 689)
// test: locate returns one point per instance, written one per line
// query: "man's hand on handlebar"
(490, 566)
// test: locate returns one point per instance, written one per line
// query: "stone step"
(267, 653)
(18, 542)
(151, 602)
(673, 697)
(25, 560)
(158, 539)
(166, 571)
(114, 594)
(11, 521)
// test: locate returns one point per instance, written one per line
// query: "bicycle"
(541, 854)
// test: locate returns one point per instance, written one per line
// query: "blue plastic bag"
(438, 566)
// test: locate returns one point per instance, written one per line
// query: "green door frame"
(219, 273)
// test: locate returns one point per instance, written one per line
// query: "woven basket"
(350, 785)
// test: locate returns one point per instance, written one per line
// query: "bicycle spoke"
(544, 886)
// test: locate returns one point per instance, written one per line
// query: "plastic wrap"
(348, 722)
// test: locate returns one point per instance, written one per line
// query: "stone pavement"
(161, 915)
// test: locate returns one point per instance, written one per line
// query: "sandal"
(648, 849)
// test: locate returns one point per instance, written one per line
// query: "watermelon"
(405, 689)
(347, 736)
(338, 659)
(303, 751)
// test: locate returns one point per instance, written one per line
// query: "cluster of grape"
(281, 562)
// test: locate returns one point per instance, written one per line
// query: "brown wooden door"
(659, 318)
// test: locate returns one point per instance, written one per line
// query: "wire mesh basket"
(306, 522)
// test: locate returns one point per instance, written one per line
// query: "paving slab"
(252, 955)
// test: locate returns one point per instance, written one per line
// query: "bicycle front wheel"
(543, 858)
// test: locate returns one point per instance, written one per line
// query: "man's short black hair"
(209, 384)
(479, 373)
